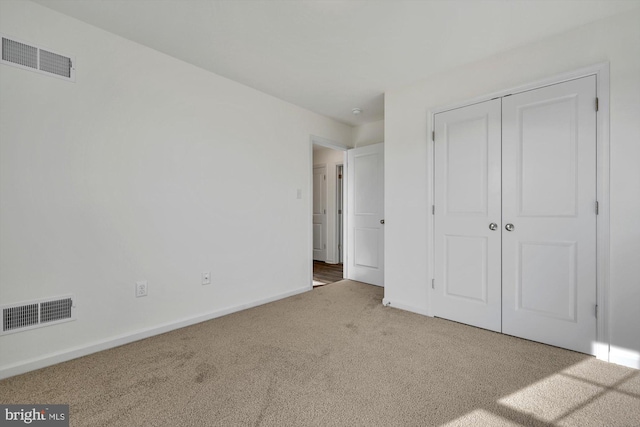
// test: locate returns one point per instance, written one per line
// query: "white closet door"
(549, 196)
(320, 213)
(365, 211)
(467, 202)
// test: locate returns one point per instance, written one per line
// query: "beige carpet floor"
(334, 357)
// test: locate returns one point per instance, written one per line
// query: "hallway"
(324, 273)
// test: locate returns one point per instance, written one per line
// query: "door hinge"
(596, 310)
(433, 283)
(325, 177)
(340, 176)
(339, 211)
(433, 136)
(597, 104)
(433, 209)
(324, 211)
(597, 208)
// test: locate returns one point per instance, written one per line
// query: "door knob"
(382, 221)
(493, 226)
(509, 227)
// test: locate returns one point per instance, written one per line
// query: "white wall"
(146, 168)
(368, 133)
(331, 159)
(408, 183)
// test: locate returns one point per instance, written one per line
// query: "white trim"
(596, 70)
(406, 307)
(601, 71)
(324, 142)
(63, 356)
(345, 217)
(310, 214)
(339, 231)
(431, 225)
(624, 357)
(603, 333)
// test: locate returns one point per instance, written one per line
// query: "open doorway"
(328, 209)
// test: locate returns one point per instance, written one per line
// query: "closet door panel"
(549, 195)
(467, 201)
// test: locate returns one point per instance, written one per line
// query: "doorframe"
(327, 143)
(601, 72)
(340, 180)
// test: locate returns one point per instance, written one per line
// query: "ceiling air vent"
(35, 314)
(44, 61)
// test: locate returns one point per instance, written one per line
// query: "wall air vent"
(44, 61)
(35, 314)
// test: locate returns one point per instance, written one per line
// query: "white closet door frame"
(601, 71)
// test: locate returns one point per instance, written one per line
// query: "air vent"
(19, 317)
(19, 53)
(35, 314)
(56, 64)
(30, 57)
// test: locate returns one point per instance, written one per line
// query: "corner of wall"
(368, 134)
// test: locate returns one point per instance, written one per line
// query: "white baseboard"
(405, 307)
(74, 353)
(624, 357)
(600, 350)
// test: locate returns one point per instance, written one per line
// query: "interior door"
(365, 211)
(548, 209)
(320, 213)
(467, 215)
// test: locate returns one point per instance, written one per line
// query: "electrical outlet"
(141, 289)
(206, 278)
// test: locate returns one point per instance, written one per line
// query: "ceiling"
(331, 56)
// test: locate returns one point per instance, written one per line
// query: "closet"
(515, 214)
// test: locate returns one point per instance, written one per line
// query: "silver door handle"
(509, 227)
(382, 221)
(493, 226)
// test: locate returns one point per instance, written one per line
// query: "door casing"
(340, 212)
(601, 72)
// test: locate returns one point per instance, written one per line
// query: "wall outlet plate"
(206, 278)
(141, 289)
